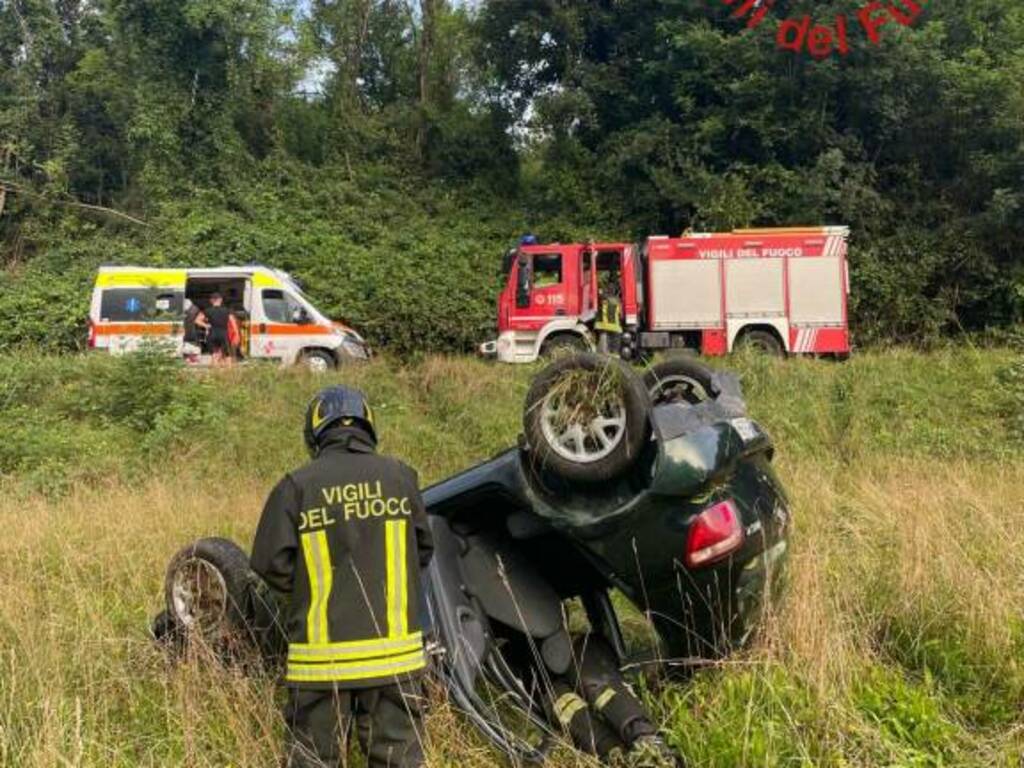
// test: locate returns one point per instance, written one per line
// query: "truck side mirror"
(300, 316)
(523, 284)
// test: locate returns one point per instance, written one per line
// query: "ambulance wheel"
(586, 418)
(679, 380)
(318, 361)
(762, 341)
(207, 591)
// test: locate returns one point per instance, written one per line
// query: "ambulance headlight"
(355, 347)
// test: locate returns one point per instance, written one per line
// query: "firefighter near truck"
(783, 291)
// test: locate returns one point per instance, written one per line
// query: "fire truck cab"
(782, 290)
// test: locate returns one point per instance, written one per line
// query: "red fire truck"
(780, 290)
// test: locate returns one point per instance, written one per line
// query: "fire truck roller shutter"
(756, 303)
(754, 288)
(816, 291)
(686, 293)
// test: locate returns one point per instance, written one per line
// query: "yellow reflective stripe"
(610, 316)
(563, 701)
(391, 585)
(566, 707)
(397, 597)
(602, 701)
(403, 610)
(359, 649)
(357, 670)
(314, 586)
(343, 645)
(328, 583)
(318, 565)
(156, 278)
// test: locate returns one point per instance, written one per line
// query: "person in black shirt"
(216, 318)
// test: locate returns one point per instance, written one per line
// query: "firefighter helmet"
(336, 406)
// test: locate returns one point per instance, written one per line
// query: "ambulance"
(133, 306)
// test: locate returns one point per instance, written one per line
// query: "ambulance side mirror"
(523, 283)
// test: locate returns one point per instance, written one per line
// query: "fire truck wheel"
(563, 344)
(679, 380)
(586, 418)
(761, 341)
(207, 591)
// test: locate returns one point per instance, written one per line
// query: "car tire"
(586, 418)
(563, 344)
(318, 361)
(207, 591)
(679, 380)
(762, 341)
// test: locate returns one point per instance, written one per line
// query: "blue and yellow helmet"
(334, 407)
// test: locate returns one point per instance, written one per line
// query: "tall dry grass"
(898, 642)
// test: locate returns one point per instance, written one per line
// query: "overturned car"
(659, 488)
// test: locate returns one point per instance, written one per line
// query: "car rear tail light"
(716, 533)
(92, 335)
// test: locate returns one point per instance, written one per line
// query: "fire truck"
(783, 291)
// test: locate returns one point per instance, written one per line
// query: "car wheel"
(586, 418)
(318, 361)
(208, 592)
(679, 380)
(564, 344)
(762, 341)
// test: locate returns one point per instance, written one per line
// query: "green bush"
(413, 266)
(1011, 379)
(101, 417)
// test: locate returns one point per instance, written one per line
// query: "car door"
(545, 290)
(279, 319)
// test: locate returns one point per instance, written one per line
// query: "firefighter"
(344, 537)
(609, 316)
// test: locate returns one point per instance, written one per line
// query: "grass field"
(899, 641)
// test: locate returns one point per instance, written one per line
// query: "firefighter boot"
(650, 752)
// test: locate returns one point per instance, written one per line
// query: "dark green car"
(685, 518)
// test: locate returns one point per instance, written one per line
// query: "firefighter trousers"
(609, 342)
(388, 724)
(595, 705)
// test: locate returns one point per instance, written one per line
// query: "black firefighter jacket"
(346, 536)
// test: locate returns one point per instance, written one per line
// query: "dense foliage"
(386, 151)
